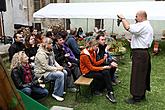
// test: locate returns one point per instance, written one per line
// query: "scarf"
(27, 73)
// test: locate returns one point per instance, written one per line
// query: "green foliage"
(118, 43)
(81, 43)
(118, 47)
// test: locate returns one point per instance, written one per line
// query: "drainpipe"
(28, 13)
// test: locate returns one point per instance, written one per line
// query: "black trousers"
(112, 72)
(140, 75)
(73, 70)
(102, 79)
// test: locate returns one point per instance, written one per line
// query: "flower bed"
(120, 51)
(117, 47)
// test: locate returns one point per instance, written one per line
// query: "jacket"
(72, 44)
(14, 48)
(60, 55)
(88, 61)
(68, 50)
(42, 60)
(17, 75)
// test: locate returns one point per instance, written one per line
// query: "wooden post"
(9, 97)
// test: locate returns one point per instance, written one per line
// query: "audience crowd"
(55, 57)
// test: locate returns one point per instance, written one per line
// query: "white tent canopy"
(155, 10)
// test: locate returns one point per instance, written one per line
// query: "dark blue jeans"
(35, 92)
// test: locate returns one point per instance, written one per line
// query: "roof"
(101, 10)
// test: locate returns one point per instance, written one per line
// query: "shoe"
(58, 98)
(117, 81)
(97, 93)
(131, 101)
(64, 92)
(143, 97)
(110, 96)
(114, 84)
(73, 89)
(116, 75)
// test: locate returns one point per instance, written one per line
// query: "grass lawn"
(155, 98)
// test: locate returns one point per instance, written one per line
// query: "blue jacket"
(72, 44)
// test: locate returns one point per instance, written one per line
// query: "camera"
(118, 20)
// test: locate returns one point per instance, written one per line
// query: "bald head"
(141, 16)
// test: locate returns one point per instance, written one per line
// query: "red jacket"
(88, 61)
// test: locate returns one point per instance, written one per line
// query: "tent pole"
(65, 23)
(100, 23)
(112, 26)
(87, 24)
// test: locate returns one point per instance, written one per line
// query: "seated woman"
(90, 68)
(31, 48)
(80, 33)
(24, 78)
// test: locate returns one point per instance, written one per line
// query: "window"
(67, 1)
(99, 23)
(53, 1)
(37, 26)
(37, 5)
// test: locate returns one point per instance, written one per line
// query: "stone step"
(60, 108)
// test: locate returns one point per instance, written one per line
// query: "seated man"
(16, 46)
(24, 78)
(71, 56)
(90, 68)
(50, 69)
(101, 51)
(63, 59)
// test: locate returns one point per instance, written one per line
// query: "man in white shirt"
(142, 37)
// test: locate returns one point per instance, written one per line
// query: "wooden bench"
(82, 81)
